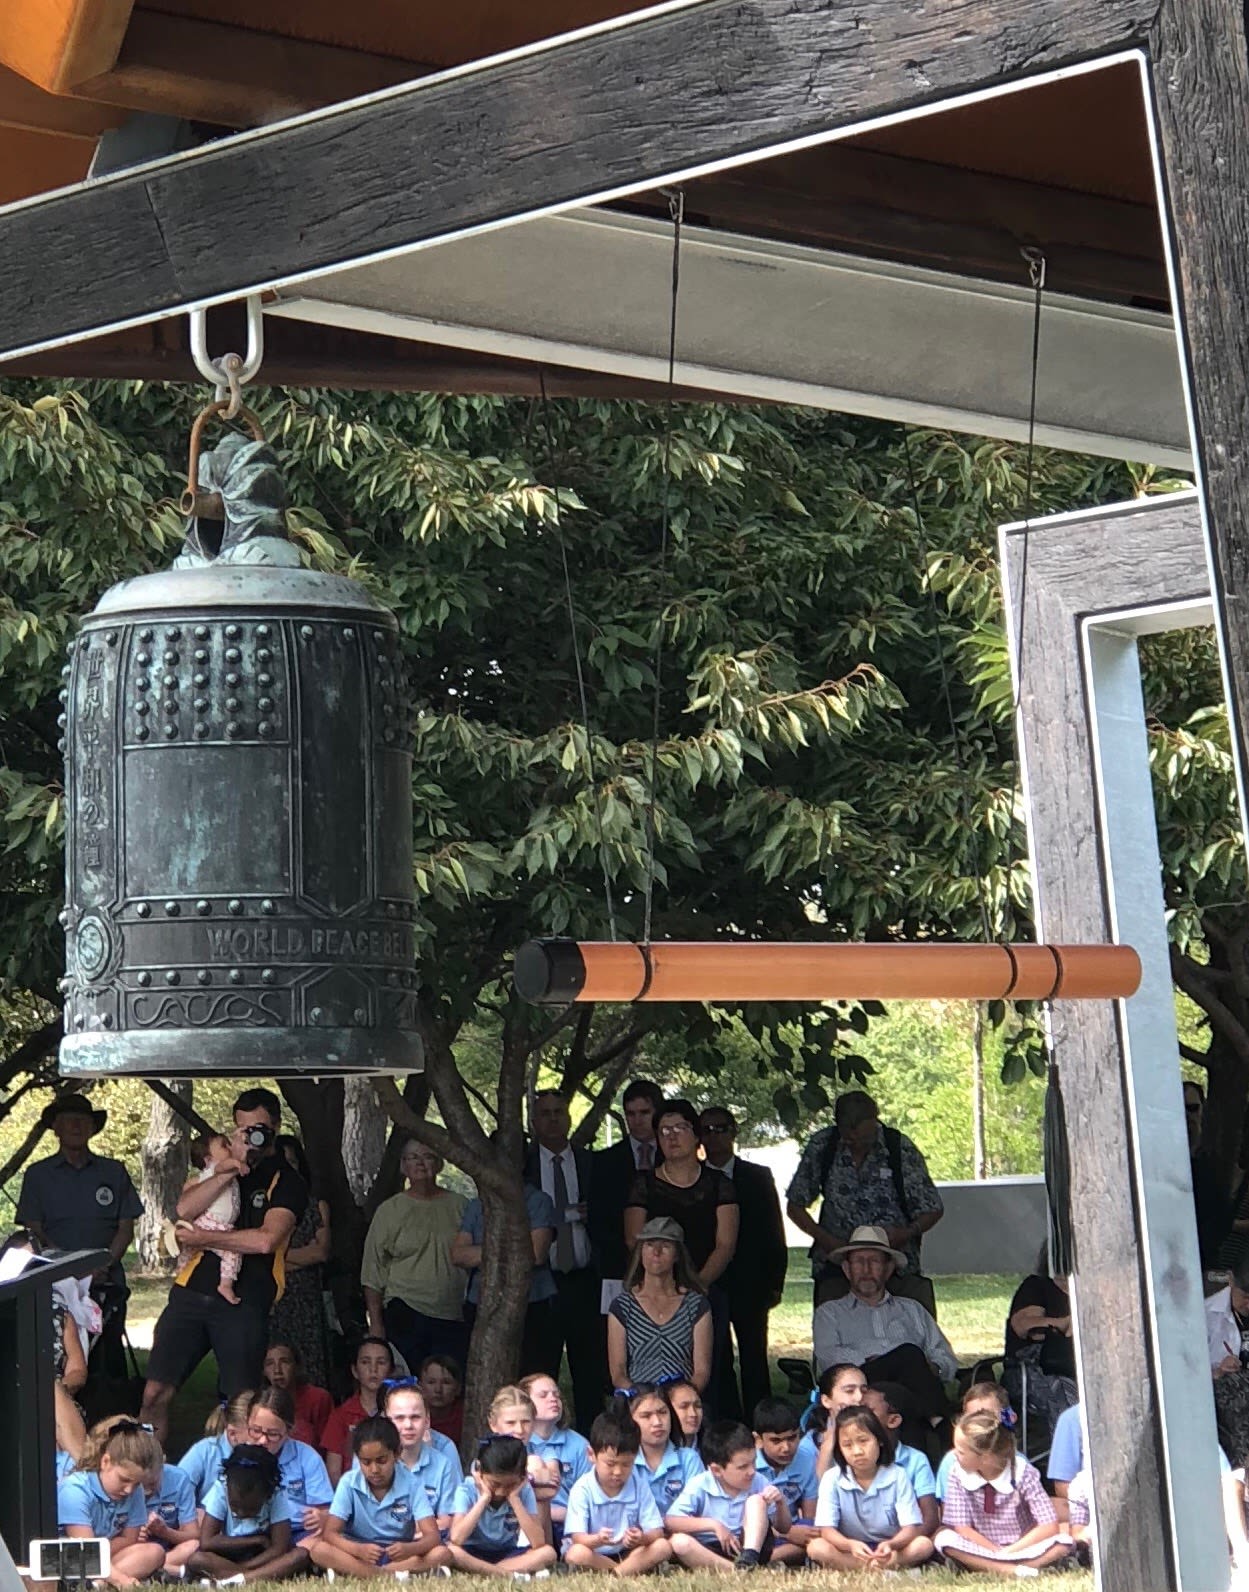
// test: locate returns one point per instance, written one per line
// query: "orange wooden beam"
(554, 972)
(59, 43)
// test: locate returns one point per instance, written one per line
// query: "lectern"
(27, 1407)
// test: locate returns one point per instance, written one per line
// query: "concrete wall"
(994, 1226)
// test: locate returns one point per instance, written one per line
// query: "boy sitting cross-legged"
(380, 1521)
(791, 1470)
(613, 1523)
(724, 1517)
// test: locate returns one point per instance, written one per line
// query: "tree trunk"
(164, 1160)
(506, 1264)
(979, 1159)
(365, 1125)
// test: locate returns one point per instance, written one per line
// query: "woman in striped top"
(659, 1327)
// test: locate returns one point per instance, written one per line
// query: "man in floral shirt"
(865, 1175)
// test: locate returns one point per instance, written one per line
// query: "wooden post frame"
(1089, 585)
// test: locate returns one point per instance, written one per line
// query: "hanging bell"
(239, 883)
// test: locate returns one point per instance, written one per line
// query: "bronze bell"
(239, 884)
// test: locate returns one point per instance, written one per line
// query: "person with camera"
(199, 1318)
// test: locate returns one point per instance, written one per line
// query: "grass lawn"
(708, 1581)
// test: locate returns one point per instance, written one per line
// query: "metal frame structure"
(1082, 589)
(700, 85)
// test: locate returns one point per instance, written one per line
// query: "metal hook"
(1036, 265)
(229, 373)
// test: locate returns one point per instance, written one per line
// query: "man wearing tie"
(614, 1170)
(577, 1324)
(754, 1279)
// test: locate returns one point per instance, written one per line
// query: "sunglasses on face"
(717, 1127)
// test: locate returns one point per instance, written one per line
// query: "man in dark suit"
(755, 1278)
(576, 1323)
(613, 1172)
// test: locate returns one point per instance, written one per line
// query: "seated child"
(512, 1414)
(301, 1470)
(284, 1368)
(442, 1382)
(371, 1364)
(996, 1515)
(840, 1387)
(612, 1523)
(246, 1529)
(104, 1497)
(782, 1463)
(981, 1398)
(723, 1517)
(495, 1509)
(172, 1518)
(890, 1403)
(662, 1464)
(404, 1404)
(1066, 1456)
(212, 1156)
(566, 1452)
(687, 1406)
(204, 1462)
(867, 1513)
(380, 1519)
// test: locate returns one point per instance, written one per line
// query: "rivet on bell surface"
(172, 909)
(234, 729)
(265, 705)
(172, 656)
(263, 632)
(142, 708)
(141, 734)
(267, 975)
(145, 635)
(85, 644)
(143, 979)
(316, 1014)
(61, 720)
(173, 976)
(360, 1015)
(201, 704)
(267, 907)
(348, 634)
(170, 705)
(201, 632)
(235, 976)
(203, 908)
(233, 681)
(203, 977)
(170, 682)
(263, 654)
(66, 671)
(264, 680)
(233, 655)
(233, 632)
(173, 634)
(264, 729)
(170, 731)
(143, 659)
(144, 909)
(233, 704)
(305, 632)
(110, 639)
(142, 683)
(201, 732)
(234, 908)
(201, 655)
(106, 1021)
(199, 681)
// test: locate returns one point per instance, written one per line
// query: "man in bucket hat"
(78, 1200)
(893, 1339)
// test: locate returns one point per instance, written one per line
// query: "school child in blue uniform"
(840, 1386)
(890, 1403)
(172, 1518)
(866, 1511)
(663, 1465)
(566, 1452)
(104, 1497)
(782, 1462)
(724, 1517)
(612, 1523)
(204, 1462)
(380, 1519)
(301, 1470)
(246, 1529)
(404, 1404)
(495, 1510)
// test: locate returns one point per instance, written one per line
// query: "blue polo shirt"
(78, 1207)
(1067, 1447)
(590, 1509)
(82, 1501)
(571, 1453)
(540, 1210)
(217, 1504)
(174, 1498)
(676, 1466)
(943, 1474)
(432, 1473)
(64, 1464)
(809, 1448)
(448, 1450)
(305, 1480)
(872, 1514)
(706, 1498)
(796, 1482)
(498, 1526)
(393, 1518)
(202, 1462)
(916, 1467)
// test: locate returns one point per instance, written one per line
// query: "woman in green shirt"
(413, 1294)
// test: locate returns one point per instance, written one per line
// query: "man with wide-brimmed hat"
(78, 1200)
(893, 1339)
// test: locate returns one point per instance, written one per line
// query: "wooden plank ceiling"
(1065, 164)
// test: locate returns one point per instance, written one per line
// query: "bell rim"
(231, 587)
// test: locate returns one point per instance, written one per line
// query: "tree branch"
(1222, 1019)
(33, 1049)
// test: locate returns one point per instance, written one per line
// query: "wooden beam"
(58, 43)
(26, 106)
(614, 109)
(235, 77)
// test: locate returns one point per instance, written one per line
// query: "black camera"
(257, 1137)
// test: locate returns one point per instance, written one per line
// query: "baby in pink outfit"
(212, 1156)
